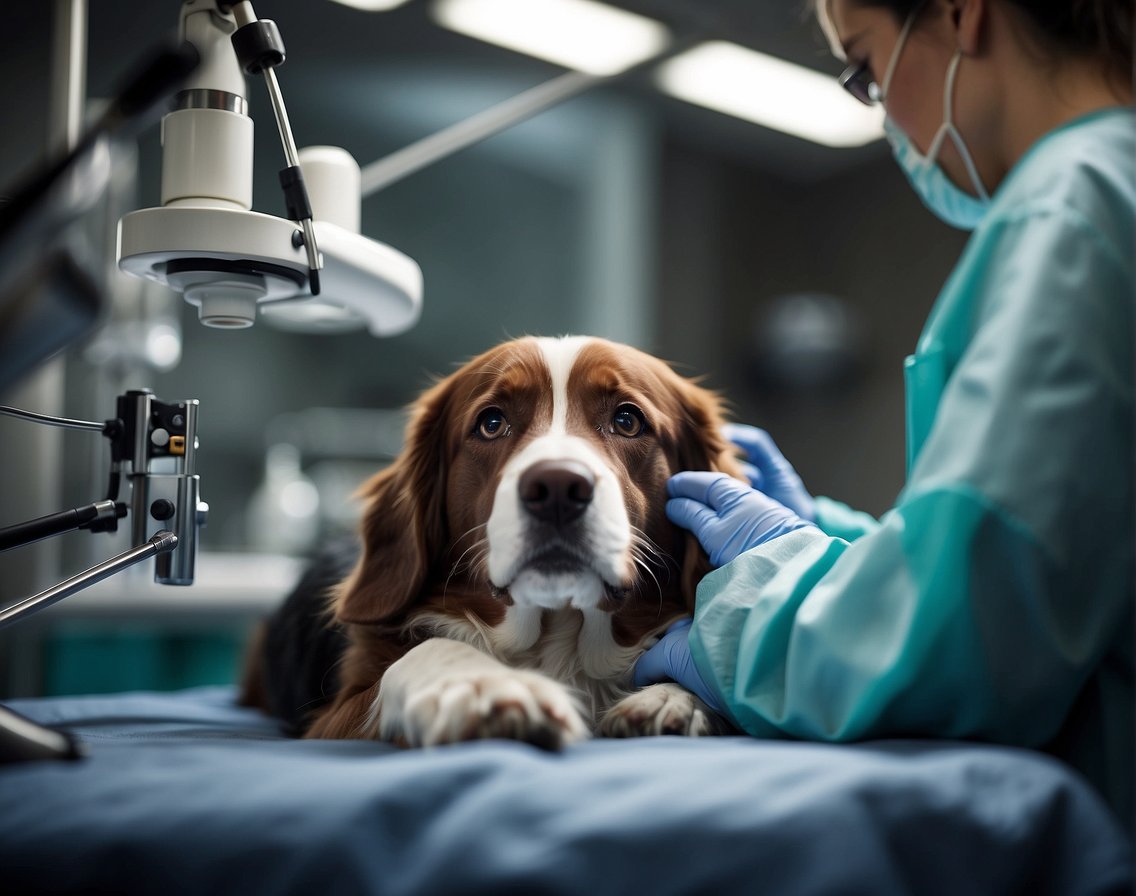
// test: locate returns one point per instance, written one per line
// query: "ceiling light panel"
(737, 81)
(372, 5)
(579, 34)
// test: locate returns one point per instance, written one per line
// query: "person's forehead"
(845, 21)
(825, 18)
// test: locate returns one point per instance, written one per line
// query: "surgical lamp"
(310, 271)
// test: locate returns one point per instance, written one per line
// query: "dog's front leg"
(445, 691)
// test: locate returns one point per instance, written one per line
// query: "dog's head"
(536, 475)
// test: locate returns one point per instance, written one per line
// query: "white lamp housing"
(231, 262)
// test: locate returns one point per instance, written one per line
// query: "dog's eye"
(491, 424)
(628, 421)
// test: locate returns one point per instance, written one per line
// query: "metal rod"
(54, 524)
(189, 459)
(292, 157)
(69, 75)
(23, 739)
(161, 543)
(244, 14)
(427, 151)
(406, 161)
(64, 422)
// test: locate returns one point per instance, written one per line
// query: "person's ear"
(969, 18)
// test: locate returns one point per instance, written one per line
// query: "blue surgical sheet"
(189, 793)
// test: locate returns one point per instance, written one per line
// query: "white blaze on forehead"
(603, 534)
(560, 355)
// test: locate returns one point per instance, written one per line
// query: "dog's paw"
(661, 709)
(511, 704)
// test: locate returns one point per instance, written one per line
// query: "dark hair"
(1089, 29)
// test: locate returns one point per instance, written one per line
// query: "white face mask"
(938, 192)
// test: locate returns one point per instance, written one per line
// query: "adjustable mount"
(154, 445)
(260, 50)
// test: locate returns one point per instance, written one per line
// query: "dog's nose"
(557, 491)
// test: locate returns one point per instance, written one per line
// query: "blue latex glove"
(670, 660)
(769, 472)
(726, 515)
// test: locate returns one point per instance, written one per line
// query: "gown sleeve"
(836, 518)
(983, 601)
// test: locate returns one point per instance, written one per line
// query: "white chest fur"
(574, 647)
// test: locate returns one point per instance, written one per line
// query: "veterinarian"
(995, 600)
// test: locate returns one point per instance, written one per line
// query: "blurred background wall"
(793, 278)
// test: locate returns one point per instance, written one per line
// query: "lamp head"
(206, 243)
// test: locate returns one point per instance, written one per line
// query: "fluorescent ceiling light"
(578, 34)
(772, 92)
(372, 5)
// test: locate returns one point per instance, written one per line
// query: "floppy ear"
(701, 446)
(403, 527)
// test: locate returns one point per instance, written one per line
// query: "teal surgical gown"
(995, 600)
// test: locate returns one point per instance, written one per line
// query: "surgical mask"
(939, 193)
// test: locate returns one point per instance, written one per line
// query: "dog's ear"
(403, 527)
(701, 446)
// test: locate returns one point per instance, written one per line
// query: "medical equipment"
(47, 286)
(154, 446)
(205, 242)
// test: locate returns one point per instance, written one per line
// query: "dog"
(515, 561)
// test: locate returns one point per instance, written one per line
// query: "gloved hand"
(670, 660)
(769, 472)
(725, 515)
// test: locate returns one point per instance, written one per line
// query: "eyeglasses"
(857, 80)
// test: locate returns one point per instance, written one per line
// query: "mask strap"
(894, 61)
(948, 127)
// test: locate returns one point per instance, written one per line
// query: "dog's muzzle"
(558, 534)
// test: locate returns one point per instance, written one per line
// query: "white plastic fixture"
(205, 242)
(365, 283)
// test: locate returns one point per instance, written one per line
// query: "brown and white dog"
(516, 561)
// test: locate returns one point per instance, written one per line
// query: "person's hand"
(726, 515)
(768, 471)
(670, 660)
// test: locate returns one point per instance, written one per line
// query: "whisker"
(649, 557)
(649, 549)
(646, 567)
(480, 545)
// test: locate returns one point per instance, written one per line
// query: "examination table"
(186, 792)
